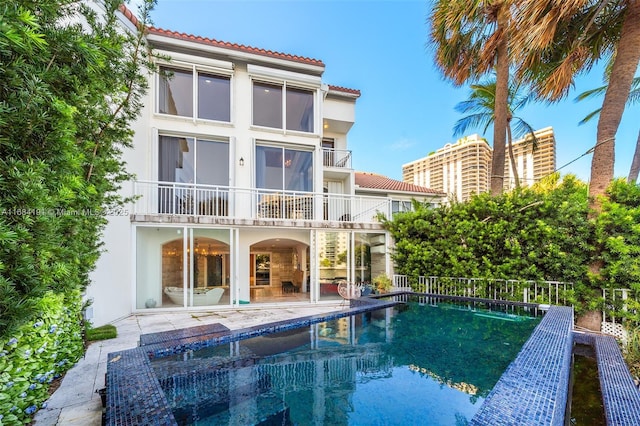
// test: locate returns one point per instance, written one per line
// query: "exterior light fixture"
(241, 162)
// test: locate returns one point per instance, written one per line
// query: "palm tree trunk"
(635, 163)
(512, 158)
(501, 101)
(622, 73)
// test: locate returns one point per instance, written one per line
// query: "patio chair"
(348, 291)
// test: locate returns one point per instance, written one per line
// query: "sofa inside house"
(201, 296)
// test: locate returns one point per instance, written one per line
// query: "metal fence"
(542, 292)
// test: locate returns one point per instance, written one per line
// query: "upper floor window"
(191, 160)
(209, 95)
(284, 169)
(270, 107)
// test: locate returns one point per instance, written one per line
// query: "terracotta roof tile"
(235, 46)
(345, 90)
(375, 181)
(128, 14)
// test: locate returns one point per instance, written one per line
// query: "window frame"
(283, 167)
(284, 84)
(195, 139)
(196, 71)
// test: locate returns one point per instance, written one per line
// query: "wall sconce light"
(241, 162)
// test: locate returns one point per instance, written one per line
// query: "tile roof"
(376, 181)
(128, 14)
(234, 46)
(345, 90)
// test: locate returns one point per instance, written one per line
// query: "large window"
(209, 95)
(269, 104)
(284, 169)
(189, 160)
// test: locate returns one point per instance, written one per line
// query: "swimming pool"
(389, 366)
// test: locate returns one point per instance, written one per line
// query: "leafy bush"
(543, 234)
(71, 83)
(37, 353)
(534, 234)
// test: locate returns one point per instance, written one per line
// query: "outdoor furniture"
(201, 297)
(288, 287)
(348, 290)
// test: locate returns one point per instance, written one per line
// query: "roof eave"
(395, 191)
(176, 41)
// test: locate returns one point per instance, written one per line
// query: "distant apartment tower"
(463, 168)
(460, 169)
(532, 165)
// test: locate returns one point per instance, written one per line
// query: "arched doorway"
(278, 271)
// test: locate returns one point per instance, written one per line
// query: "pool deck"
(76, 403)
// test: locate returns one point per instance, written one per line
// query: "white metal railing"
(618, 303)
(173, 198)
(336, 158)
(544, 292)
(346, 208)
(272, 204)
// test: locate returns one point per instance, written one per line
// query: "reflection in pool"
(390, 366)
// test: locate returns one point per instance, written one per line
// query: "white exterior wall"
(113, 283)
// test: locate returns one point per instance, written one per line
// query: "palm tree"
(634, 97)
(471, 39)
(566, 37)
(481, 109)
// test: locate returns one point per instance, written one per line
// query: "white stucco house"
(245, 184)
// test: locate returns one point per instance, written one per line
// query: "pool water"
(411, 364)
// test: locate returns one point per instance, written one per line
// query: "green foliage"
(382, 283)
(539, 234)
(632, 351)
(617, 235)
(71, 83)
(36, 353)
(107, 331)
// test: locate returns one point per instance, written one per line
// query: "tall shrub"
(539, 233)
(71, 82)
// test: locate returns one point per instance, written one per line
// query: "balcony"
(336, 158)
(191, 200)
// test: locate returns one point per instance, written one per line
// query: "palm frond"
(473, 121)
(590, 116)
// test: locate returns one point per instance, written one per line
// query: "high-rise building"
(463, 168)
(533, 162)
(460, 169)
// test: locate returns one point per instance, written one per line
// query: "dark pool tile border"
(533, 389)
(133, 393)
(172, 335)
(620, 396)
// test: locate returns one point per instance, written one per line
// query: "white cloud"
(403, 144)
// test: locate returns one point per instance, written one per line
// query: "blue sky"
(406, 109)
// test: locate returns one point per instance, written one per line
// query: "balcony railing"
(184, 199)
(336, 158)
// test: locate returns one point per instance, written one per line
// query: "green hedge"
(36, 353)
(538, 233)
